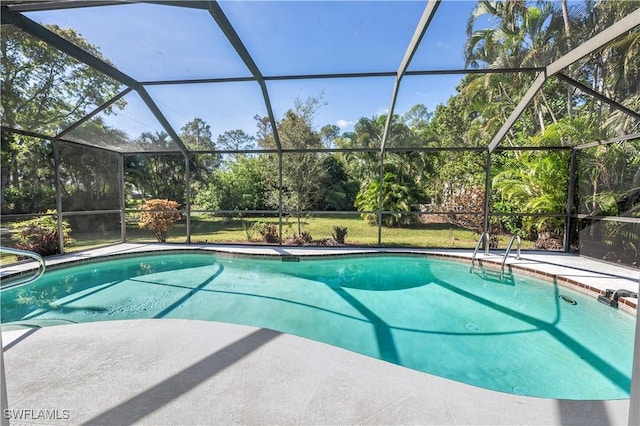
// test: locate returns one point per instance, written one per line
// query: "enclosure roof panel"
(307, 37)
(150, 41)
(222, 107)
(132, 128)
(339, 52)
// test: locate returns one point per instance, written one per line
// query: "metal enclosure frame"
(12, 14)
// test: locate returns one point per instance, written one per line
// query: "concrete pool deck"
(196, 372)
(184, 372)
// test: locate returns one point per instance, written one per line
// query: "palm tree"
(396, 197)
(521, 36)
(538, 184)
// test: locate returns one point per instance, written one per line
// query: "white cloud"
(344, 123)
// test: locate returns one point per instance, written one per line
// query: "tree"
(156, 176)
(328, 134)
(338, 190)
(89, 179)
(236, 140)
(239, 186)
(538, 183)
(196, 135)
(396, 197)
(300, 170)
(521, 36)
(43, 90)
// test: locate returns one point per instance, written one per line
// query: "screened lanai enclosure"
(365, 123)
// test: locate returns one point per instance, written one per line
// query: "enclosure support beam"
(608, 141)
(161, 118)
(56, 165)
(187, 194)
(570, 197)
(598, 96)
(280, 196)
(517, 112)
(380, 192)
(221, 19)
(37, 30)
(421, 29)
(38, 6)
(94, 112)
(74, 51)
(123, 217)
(487, 196)
(596, 42)
(53, 138)
(634, 400)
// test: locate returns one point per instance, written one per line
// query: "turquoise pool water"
(433, 315)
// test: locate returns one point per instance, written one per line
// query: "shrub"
(339, 233)
(301, 239)
(40, 235)
(250, 231)
(269, 233)
(158, 216)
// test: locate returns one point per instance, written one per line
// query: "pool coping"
(592, 278)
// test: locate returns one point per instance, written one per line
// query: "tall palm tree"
(518, 36)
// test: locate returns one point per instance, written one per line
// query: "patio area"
(195, 372)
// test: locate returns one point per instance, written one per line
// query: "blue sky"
(156, 42)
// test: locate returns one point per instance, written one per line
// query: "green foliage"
(337, 190)
(239, 185)
(158, 216)
(43, 90)
(91, 177)
(396, 198)
(300, 170)
(340, 233)
(235, 140)
(40, 235)
(156, 176)
(252, 230)
(537, 183)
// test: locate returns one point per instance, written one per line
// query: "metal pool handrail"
(475, 252)
(34, 256)
(506, 253)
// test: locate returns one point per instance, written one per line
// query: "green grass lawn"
(208, 229)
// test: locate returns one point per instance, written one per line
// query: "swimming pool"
(516, 335)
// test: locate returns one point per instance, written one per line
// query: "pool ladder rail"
(506, 253)
(24, 253)
(485, 237)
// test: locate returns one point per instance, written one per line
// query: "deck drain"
(473, 327)
(568, 299)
